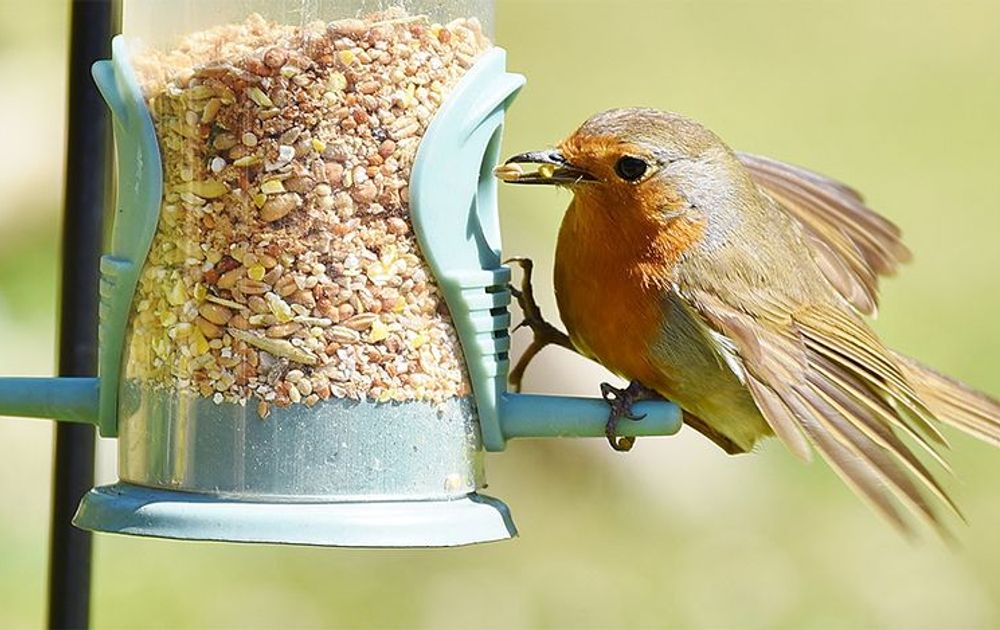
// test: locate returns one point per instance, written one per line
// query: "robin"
(736, 286)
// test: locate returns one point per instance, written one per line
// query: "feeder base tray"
(128, 509)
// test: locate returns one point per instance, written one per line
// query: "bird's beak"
(553, 170)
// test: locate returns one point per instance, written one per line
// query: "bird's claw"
(619, 405)
(621, 400)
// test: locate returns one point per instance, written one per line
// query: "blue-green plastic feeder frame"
(340, 473)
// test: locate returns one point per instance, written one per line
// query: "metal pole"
(93, 22)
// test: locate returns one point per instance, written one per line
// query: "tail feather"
(953, 402)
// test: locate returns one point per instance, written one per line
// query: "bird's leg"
(544, 333)
(621, 401)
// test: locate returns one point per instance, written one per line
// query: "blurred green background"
(900, 99)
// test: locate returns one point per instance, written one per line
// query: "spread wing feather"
(821, 377)
(852, 244)
(955, 402)
(817, 373)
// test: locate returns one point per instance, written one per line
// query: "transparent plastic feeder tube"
(286, 339)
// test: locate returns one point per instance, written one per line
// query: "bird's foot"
(621, 401)
(544, 333)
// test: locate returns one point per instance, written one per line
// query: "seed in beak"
(508, 172)
(547, 170)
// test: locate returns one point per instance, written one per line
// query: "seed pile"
(284, 268)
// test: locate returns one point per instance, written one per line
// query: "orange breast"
(611, 293)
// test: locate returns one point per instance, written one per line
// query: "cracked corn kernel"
(177, 294)
(199, 344)
(256, 272)
(378, 332)
(272, 186)
(346, 57)
(281, 310)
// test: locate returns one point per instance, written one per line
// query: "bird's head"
(641, 167)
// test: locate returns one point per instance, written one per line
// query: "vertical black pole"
(93, 23)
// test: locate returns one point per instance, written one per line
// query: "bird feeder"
(304, 313)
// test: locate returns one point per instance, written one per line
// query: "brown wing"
(852, 244)
(820, 377)
(955, 402)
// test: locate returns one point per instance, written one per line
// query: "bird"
(738, 287)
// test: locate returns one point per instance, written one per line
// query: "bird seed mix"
(284, 269)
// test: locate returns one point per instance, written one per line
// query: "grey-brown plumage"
(736, 286)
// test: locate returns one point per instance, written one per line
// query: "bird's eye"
(631, 169)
